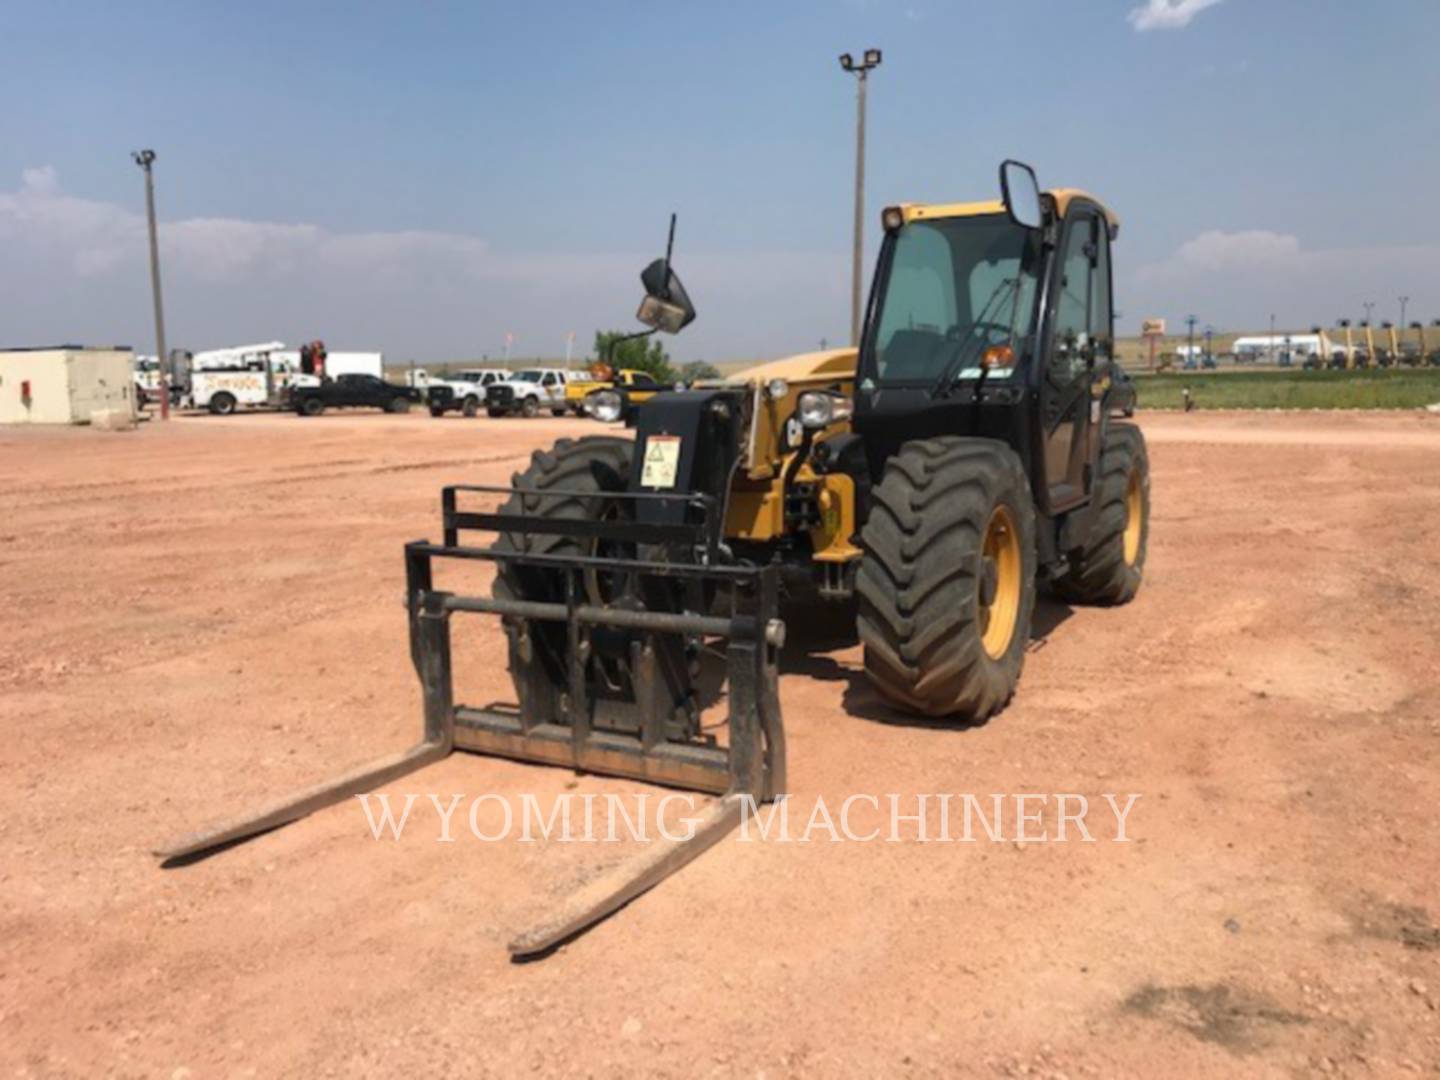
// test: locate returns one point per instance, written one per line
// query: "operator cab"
(978, 309)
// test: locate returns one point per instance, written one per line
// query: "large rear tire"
(946, 587)
(1109, 566)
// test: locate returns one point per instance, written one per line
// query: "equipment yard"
(206, 613)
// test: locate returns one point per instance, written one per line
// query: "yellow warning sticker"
(662, 461)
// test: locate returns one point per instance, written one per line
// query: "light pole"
(1369, 306)
(1404, 303)
(861, 71)
(146, 159)
(1272, 341)
(1190, 322)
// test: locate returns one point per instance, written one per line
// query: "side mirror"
(1021, 194)
(666, 305)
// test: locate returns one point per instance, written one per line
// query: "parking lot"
(206, 612)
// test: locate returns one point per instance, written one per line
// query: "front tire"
(596, 463)
(471, 406)
(312, 406)
(946, 587)
(1110, 564)
(530, 408)
(223, 403)
(398, 405)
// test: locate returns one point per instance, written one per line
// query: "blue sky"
(424, 178)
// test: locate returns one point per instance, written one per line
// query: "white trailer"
(65, 384)
(341, 363)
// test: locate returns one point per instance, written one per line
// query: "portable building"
(65, 384)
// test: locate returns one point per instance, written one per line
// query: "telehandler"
(970, 450)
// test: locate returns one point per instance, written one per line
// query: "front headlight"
(605, 405)
(821, 408)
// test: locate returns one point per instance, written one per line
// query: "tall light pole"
(1190, 322)
(146, 159)
(1404, 303)
(1272, 340)
(861, 71)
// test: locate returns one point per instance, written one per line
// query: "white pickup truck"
(462, 391)
(527, 392)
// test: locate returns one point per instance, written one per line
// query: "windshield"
(954, 287)
(526, 376)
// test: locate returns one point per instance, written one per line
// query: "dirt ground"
(206, 613)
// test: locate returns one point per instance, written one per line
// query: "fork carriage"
(636, 648)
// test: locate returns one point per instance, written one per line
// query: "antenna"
(669, 248)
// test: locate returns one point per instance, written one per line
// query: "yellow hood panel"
(830, 364)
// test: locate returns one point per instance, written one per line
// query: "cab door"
(1079, 344)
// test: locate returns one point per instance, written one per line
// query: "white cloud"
(1167, 14)
(1237, 279)
(1216, 250)
(75, 269)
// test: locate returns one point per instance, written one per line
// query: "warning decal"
(662, 461)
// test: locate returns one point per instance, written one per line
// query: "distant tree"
(640, 354)
(697, 370)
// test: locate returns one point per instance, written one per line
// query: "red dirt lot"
(205, 613)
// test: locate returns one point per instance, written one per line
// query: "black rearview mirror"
(1021, 193)
(666, 305)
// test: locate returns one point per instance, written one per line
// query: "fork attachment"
(609, 684)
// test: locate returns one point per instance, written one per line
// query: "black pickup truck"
(351, 392)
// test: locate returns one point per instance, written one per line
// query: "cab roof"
(1061, 197)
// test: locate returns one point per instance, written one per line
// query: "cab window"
(1082, 306)
(953, 286)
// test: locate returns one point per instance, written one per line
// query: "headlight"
(821, 408)
(777, 389)
(605, 405)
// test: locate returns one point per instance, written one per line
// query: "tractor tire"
(530, 408)
(223, 403)
(311, 406)
(494, 413)
(597, 463)
(471, 406)
(946, 587)
(1109, 566)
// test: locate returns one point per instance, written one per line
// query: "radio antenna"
(669, 248)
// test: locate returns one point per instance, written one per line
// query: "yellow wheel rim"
(1134, 517)
(998, 597)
